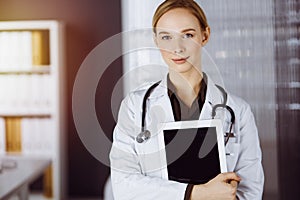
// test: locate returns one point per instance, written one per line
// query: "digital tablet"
(194, 150)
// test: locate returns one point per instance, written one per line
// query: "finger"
(233, 183)
(226, 177)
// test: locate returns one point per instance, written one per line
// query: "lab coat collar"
(213, 96)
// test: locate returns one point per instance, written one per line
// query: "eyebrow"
(188, 29)
(183, 31)
(163, 32)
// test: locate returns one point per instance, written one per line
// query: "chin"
(181, 68)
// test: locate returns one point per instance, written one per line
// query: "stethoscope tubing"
(144, 135)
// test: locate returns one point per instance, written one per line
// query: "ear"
(206, 36)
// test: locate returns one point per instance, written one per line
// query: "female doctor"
(180, 31)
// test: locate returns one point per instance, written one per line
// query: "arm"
(128, 181)
(249, 166)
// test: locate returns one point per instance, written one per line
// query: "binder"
(13, 134)
(40, 47)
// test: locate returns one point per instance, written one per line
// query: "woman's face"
(180, 39)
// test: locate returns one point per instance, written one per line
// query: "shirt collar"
(213, 94)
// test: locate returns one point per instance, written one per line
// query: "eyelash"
(166, 37)
(185, 36)
(188, 35)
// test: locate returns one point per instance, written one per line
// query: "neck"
(186, 81)
(187, 85)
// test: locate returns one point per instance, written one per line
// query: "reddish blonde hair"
(190, 5)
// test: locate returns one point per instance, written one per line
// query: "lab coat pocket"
(151, 158)
(232, 153)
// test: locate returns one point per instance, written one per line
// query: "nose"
(178, 46)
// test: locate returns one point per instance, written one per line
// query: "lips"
(180, 60)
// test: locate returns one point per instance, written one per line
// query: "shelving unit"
(32, 90)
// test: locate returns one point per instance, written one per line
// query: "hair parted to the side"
(190, 5)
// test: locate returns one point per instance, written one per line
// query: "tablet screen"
(192, 154)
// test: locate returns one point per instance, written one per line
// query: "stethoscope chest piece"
(143, 136)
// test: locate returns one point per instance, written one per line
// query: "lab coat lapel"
(159, 97)
(213, 97)
(158, 110)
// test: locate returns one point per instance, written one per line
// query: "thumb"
(233, 183)
(227, 177)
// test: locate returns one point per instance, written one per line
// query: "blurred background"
(255, 45)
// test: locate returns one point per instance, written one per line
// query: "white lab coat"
(136, 168)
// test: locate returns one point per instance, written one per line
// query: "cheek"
(165, 54)
(195, 48)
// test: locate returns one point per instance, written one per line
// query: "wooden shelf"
(28, 25)
(26, 115)
(46, 69)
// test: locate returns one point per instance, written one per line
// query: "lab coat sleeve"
(249, 166)
(128, 180)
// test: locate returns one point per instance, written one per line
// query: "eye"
(166, 37)
(188, 35)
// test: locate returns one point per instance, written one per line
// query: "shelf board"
(28, 25)
(26, 115)
(44, 69)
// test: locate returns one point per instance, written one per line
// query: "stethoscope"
(145, 134)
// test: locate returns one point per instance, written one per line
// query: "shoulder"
(237, 102)
(240, 106)
(141, 89)
(136, 96)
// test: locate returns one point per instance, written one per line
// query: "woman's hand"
(221, 187)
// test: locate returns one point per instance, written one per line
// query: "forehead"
(178, 19)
